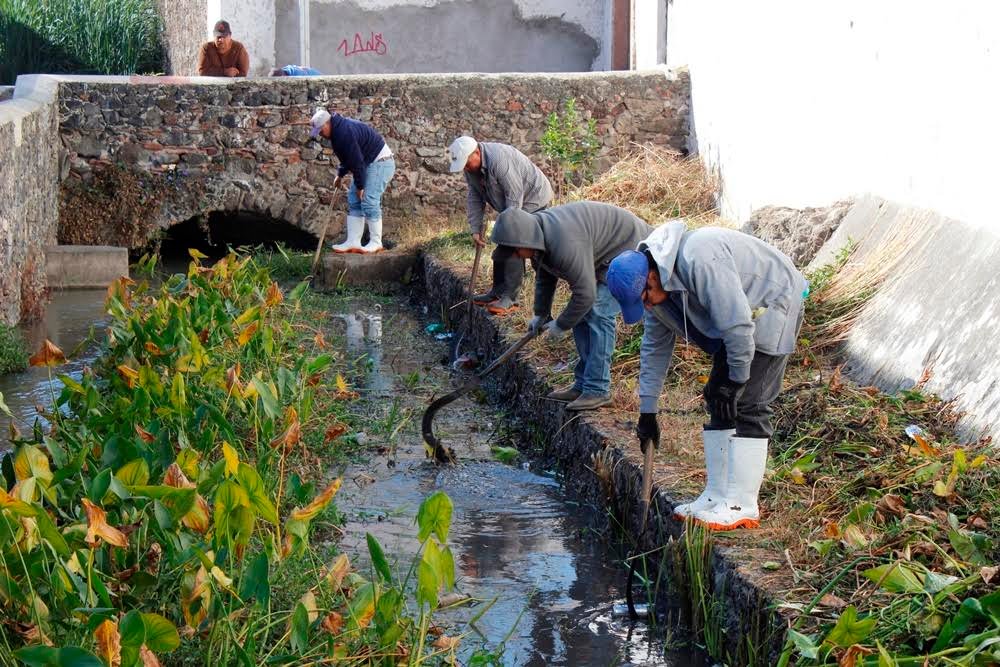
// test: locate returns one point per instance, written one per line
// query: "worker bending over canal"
(364, 154)
(575, 242)
(503, 177)
(740, 300)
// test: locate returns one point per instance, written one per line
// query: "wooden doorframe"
(621, 30)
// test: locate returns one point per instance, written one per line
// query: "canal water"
(522, 546)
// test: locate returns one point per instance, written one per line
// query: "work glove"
(721, 398)
(553, 332)
(536, 323)
(648, 430)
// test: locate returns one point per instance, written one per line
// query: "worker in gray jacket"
(503, 177)
(575, 242)
(740, 300)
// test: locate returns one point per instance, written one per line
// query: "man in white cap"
(503, 177)
(363, 152)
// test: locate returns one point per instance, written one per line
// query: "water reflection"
(70, 318)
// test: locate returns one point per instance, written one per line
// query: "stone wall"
(185, 29)
(244, 145)
(29, 170)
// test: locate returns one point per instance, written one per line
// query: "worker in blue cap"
(741, 301)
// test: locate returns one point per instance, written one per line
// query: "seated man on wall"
(503, 177)
(363, 152)
(294, 70)
(223, 56)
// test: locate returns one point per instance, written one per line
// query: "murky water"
(69, 319)
(516, 536)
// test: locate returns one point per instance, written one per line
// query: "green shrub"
(79, 37)
(13, 351)
(571, 142)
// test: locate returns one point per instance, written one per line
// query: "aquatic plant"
(158, 509)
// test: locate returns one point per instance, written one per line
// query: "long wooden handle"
(322, 236)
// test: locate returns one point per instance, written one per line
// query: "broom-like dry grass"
(657, 184)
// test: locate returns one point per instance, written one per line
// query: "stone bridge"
(214, 145)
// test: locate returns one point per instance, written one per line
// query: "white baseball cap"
(319, 119)
(459, 151)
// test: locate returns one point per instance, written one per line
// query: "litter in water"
(434, 327)
(444, 336)
(621, 609)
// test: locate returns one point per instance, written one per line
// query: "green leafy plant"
(570, 141)
(78, 36)
(13, 350)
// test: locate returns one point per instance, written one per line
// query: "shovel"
(322, 237)
(457, 341)
(647, 492)
(442, 455)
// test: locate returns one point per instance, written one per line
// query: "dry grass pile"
(657, 184)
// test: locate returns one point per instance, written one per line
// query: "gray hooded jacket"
(576, 241)
(726, 288)
(507, 179)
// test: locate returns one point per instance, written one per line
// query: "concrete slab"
(391, 266)
(84, 266)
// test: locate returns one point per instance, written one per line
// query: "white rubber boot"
(374, 244)
(716, 469)
(355, 228)
(747, 463)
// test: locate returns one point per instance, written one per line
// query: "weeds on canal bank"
(172, 492)
(13, 350)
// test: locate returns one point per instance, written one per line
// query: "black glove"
(648, 429)
(721, 398)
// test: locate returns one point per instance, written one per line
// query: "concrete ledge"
(84, 267)
(351, 269)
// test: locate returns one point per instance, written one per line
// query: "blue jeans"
(595, 342)
(377, 178)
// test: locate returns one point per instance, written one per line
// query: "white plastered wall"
(803, 103)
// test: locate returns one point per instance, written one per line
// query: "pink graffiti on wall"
(373, 44)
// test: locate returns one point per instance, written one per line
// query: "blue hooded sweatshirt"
(356, 145)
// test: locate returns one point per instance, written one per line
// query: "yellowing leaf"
(941, 489)
(48, 354)
(274, 295)
(703, 379)
(446, 643)
(318, 503)
(30, 461)
(97, 527)
(292, 434)
(144, 435)
(152, 348)
(309, 602)
(130, 375)
(109, 647)
(854, 537)
(338, 570)
(232, 458)
(196, 596)
(247, 333)
(196, 254)
(220, 577)
(343, 391)
(797, 476)
(176, 478)
(249, 314)
(334, 431)
(197, 518)
(233, 379)
(333, 623)
(978, 461)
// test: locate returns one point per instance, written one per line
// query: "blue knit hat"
(626, 278)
